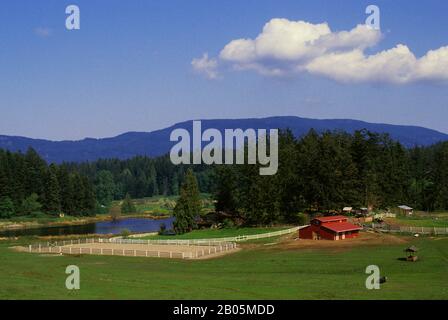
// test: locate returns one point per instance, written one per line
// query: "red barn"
(330, 228)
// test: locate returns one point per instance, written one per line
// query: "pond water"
(135, 225)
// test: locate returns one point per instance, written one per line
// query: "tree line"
(28, 186)
(331, 170)
(317, 172)
(139, 177)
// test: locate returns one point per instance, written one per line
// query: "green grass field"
(164, 205)
(253, 273)
(436, 220)
(218, 233)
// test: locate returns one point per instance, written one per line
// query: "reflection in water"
(135, 225)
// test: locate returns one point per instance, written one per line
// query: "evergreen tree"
(30, 205)
(188, 206)
(52, 200)
(105, 187)
(6, 208)
(67, 191)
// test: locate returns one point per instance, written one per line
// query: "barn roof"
(341, 226)
(405, 207)
(331, 218)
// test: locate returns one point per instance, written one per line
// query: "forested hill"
(157, 143)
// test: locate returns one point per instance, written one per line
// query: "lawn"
(439, 221)
(218, 233)
(164, 205)
(259, 272)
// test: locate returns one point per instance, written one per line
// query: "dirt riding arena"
(135, 248)
(365, 239)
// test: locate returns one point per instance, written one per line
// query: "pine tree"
(52, 200)
(30, 205)
(35, 171)
(105, 187)
(6, 208)
(188, 206)
(67, 191)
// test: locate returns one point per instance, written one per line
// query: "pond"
(134, 225)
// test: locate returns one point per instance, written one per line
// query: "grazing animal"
(383, 279)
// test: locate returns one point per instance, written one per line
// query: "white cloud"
(434, 65)
(396, 65)
(287, 47)
(206, 66)
(43, 32)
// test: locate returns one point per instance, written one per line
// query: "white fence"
(238, 238)
(70, 247)
(402, 229)
(211, 246)
(384, 215)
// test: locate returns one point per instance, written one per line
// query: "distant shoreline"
(6, 225)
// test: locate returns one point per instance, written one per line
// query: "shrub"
(38, 215)
(127, 205)
(228, 224)
(162, 229)
(125, 233)
(301, 219)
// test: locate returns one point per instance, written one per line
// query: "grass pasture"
(164, 205)
(438, 220)
(215, 233)
(285, 270)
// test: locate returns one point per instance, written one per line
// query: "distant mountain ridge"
(157, 142)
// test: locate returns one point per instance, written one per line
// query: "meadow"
(262, 270)
(164, 205)
(217, 233)
(421, 219)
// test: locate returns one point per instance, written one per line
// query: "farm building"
(406, 209)
(330, 228)
(347, 209)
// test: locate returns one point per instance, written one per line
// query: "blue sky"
(129, 68)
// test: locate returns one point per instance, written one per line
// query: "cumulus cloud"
(206, 66)
(287, 47)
